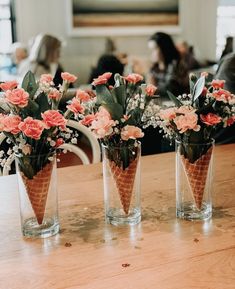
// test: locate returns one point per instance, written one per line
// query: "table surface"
(161, 252)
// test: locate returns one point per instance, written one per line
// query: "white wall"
(197, 21)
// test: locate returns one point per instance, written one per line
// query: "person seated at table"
(107, 63)
(44, 58)
(187, 55)
(226, 71)
(168, 71)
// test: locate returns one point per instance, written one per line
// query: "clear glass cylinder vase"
(37, 184)
(194, 178)
(121, 177)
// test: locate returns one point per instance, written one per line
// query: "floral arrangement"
(196, 117)
(30, 117)
(117, 113)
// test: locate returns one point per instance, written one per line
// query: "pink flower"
(59, 142)
(222, 95)
(167, 114)
(17, 97)
(103, 124)
(230, 120)
(204, 91)
(54, 94)
(185, 109)
(75, 106)
(186, 122)
(217, 84)
(87, 120)
(70, 78)
(134, 78)
(131, 132)
(2, 117)
(102, 79)
(46, 78)
(82, 95)
(9, 85)
(210, 118)
(53, 118)
(11, 124)
(27, 149)
(32, 128)
(150, 89)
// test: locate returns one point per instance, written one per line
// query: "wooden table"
(161, 252)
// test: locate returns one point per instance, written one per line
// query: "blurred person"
(168, 71)
(228, 47)
(44, 58)
(107, 63)
(187, 55)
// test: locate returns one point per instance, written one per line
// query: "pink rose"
(54, 94)
(82, 95)
(87, 120)
(32, 128)
(150, 89)
(210, 118)
(11, 124)
(70, 78)
(222, 95)
(134, 78)
(186, 122)
(53, 118)
(167, 114)
(46, 78)
(131, 132)
(102, 79)
(17, 97)
(9, 85)
(75, 106)
(103, 124)
(217, 84)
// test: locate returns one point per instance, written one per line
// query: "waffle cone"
(37, 190)
(197, 175)
(124, 180)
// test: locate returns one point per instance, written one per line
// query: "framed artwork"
(114, 17)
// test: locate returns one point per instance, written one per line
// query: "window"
(7, 25)
(225, 24)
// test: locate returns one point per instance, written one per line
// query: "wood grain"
(160, 252)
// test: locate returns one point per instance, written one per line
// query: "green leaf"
(31, 109)
(119, 94)
(174, 99)
(134, 117)
(198, 88)
(42, 101)
(103, 94)
(29, 83)
(115, 109)
(125, 157)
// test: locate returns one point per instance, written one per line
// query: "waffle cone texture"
(197, 175)
(124, 180)
(37, 190)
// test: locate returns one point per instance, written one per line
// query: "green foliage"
(29, 84)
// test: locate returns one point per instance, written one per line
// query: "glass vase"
(121, 176)
(37, 183)
(194, 178)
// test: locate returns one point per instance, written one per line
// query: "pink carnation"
(103, 124)
(150, 89)
(185, 109)
(11, 124)
(2, 116)
(134, 78)
(53, 118)
(54, 94)
(70, 78)
(9, 85)
(87, 120)
(222, 95)
(102, 79)
(230, 120)
(32, 128)
(46, 78)
(75, 106)
(17, 97)
(131, 132)
(167, 114)
(186, 122)
(82, 95)
(217, 84)
(210, 118)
